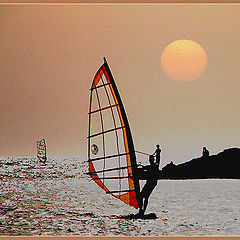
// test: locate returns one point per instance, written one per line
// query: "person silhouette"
(151, 183)
(157, 153)
(205, 152)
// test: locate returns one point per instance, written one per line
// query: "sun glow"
(184, 60)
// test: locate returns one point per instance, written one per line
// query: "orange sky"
(50, 54)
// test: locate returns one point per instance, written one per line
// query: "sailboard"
(42, 150)
(111, 153)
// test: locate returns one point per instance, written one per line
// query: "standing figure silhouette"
(157, 153)
(151, 183)
(205, 152)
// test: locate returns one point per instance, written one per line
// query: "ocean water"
(58, 199)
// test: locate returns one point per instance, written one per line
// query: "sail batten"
(111, 177)
(109, 170)
(101, 109)
(105, 84)
(111, 154)
(107, 157)
(107, 131)
(121, 191)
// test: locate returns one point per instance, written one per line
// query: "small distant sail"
(111, 153)
(42, 150)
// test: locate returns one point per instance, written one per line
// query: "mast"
(45, 146)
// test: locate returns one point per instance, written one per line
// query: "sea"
(58, 199)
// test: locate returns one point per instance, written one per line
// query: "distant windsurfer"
(157, 153)
(41, 150)
(151, 183)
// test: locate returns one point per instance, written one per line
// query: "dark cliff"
(223, 165)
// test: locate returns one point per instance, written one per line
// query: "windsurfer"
(151, 183)
(157, 153)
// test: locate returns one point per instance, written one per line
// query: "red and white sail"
(111, 154)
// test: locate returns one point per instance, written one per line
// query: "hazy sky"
(50, 54)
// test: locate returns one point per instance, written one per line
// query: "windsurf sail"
(42, 150)
(111, 153)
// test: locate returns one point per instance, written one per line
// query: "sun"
(184, 60)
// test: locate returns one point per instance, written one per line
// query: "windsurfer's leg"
(140, 205)
(145, 205)
(158, 160)
(141, 211)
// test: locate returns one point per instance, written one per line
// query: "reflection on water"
(58, 199)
